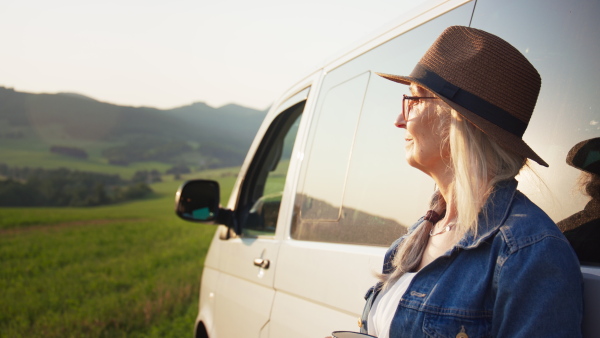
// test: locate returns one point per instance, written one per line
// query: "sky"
(167, 54)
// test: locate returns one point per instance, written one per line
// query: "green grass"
(276, 179)
(34, 158)
(129, 270)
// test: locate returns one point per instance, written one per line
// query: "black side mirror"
(198, 201)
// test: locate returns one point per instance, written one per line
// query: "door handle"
(262, 263)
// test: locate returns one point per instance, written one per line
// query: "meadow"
(127, 270)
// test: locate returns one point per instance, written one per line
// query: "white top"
(385, 305)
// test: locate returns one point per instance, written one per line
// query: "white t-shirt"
(385, 305)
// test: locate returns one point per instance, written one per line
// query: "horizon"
(165, 55)
(134, 106)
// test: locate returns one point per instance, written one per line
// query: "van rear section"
(325, 189)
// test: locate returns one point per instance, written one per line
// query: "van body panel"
(244, 303)
(234, 251)
(328, 276)
(296, 317)
(206, 305)
(209, 282)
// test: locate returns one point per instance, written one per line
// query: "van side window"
(568, 107)
(260, 198)
(355, 186)
(332, 143)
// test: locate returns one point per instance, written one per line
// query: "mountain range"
(196, 135)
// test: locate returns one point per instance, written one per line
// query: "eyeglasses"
(409, 101)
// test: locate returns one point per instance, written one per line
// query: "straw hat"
(485, 79)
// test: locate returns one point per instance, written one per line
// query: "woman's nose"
(400, 121)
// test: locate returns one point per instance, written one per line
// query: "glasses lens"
(405, 107)
(407, 104)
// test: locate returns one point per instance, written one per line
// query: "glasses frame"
(406, 101)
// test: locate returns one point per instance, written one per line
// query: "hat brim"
(499, 135)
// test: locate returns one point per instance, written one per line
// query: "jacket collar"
(493, 214)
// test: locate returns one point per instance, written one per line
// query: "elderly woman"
(485, 261)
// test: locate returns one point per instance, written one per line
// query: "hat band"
(472, 102)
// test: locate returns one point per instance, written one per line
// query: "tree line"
(145, 149)
(23, 186)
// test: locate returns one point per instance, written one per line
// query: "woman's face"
(425, 149)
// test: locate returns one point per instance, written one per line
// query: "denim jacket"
(518, 277)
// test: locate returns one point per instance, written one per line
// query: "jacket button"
(360, 324)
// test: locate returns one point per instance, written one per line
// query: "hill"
(196, 135)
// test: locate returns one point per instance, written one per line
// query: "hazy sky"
(170, 53)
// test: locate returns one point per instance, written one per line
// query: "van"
(325, 189)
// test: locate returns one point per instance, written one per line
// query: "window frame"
(254, 181)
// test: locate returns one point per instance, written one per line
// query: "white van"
(325, 188)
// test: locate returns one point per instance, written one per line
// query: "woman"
(484, 261)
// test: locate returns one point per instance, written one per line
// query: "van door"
(356, 194)
(248, 258)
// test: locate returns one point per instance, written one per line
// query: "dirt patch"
(64, 225)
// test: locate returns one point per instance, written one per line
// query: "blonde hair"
(477, 163)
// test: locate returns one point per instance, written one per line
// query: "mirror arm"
(227, 218)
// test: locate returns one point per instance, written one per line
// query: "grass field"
(130, 270)
(35, 158)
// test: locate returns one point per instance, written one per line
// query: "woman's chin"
(411, 160)
(416, 164)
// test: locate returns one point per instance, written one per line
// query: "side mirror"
(198, 201)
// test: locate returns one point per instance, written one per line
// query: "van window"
(260, 197)
(333, 139)
(355, 186)
(568, 108)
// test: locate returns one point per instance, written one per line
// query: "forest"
(28, 187)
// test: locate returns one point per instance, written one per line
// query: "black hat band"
(469, 101)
